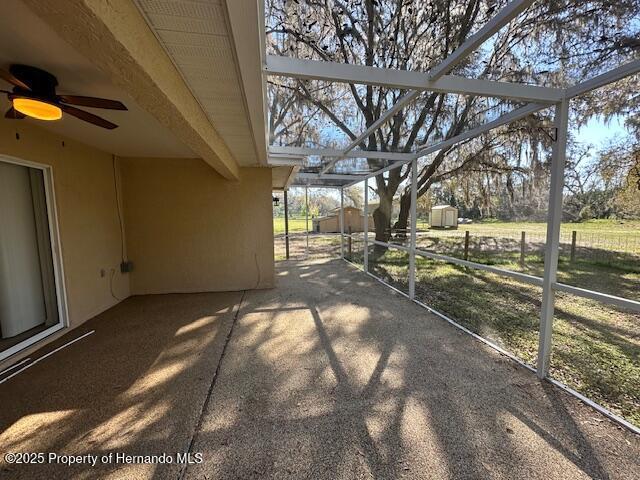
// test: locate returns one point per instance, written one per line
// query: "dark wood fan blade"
(9, 77)
(88, 117)
(92, 102)
(14, 114)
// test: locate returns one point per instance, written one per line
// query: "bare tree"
(553, 43)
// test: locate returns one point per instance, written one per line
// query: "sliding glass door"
(29, 300)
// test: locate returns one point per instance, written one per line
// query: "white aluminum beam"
(286, 161)
(331, 152)
(474, 132)
(342, 223)
(407, 98)
(397, 246)
(306, 220)
(379, 172)
(330, 176)
(504, 16)
(384, 118)
(614, 75)
(407, 80)
(413, 225)
(552, 246)
(292, 176)
(522, 277)
(365, 262)
(503, 120)
(600, 297)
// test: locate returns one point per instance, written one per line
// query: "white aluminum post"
(306, 219)
(499, 20)
(412, 248)
(606, 78)
(512, 116)
(342, 222)
(280, 152)
(553, 236)
(366, 225)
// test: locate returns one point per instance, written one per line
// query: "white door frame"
(58, 268)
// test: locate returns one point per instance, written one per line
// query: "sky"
(598, 133)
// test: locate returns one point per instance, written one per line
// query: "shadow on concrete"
(329, 375)
(333, 376)
(135, 386)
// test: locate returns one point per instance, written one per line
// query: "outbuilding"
(353, 218)
(444, 216)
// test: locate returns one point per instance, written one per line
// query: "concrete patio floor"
(330, 375)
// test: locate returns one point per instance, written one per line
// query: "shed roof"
(442, 207)
(335, 213)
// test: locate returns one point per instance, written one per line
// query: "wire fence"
(497, 246)
(528, 246)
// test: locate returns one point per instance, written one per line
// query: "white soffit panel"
(280, 177)
(195, 35)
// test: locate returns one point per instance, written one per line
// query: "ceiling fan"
(34, 95)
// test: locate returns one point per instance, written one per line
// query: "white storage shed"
(443, 216)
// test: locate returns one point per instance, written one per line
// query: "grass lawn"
(616, 227)
(607, 257)
(605, 235)
(296, 224)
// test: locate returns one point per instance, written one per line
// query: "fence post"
(366, 224)
(523, 246)
(552, 246)
(412, 247)
(574, 235)
(349, 242)
(286, 224)
(466, 245)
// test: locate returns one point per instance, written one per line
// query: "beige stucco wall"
(87, 215)
(190, 230)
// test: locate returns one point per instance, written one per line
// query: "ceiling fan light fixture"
(37, 109)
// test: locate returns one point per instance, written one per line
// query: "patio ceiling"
(116, 40)
(198, 39)
(139, 132)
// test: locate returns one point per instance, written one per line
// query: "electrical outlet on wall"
(126, 266)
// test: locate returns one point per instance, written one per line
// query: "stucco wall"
(87, 215)
(190, 230)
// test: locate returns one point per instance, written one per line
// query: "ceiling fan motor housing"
(43, 84)
(34, 95)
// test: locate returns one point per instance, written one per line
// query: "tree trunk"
(382, 222)
(403, 217)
